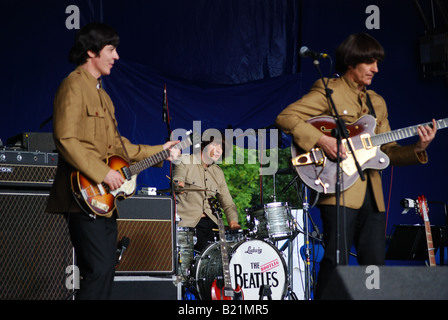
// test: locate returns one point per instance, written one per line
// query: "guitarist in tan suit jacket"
(362, 216)
(85, 134)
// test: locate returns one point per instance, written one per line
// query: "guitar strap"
(114, 121)
(122, 144)
(369, 104)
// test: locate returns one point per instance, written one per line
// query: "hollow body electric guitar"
(319, 173)
(98, 199)
(226, 292)
(422, 210)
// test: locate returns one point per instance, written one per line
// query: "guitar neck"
(224, 256)
(423, 211)
(138, 167)
(404, 133)
(431, 255)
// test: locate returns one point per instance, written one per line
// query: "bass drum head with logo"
(255, 263)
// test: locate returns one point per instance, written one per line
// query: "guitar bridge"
(229, 293)
(99, 205)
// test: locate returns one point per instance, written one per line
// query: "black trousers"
(363, 228)
(205, 235)
(95, 243)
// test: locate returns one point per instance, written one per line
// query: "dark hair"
(92, 37)
(358, 48)
(220, 139)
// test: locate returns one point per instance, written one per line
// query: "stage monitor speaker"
(387, 283)
(147, 221)
(144, 288)
(35, 248)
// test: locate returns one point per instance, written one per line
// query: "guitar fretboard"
(224, 256)
(138, 167)
(404, 133)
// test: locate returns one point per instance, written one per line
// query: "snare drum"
(185, 246)
(272, 221)
(253, 263)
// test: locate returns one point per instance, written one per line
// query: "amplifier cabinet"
(26, 176)
(148, 223)
(27, 169)
(33, 141)
(35, 248)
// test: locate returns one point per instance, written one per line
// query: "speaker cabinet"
(148, 223)
(144, 288)
(35, 248)
(387, 283)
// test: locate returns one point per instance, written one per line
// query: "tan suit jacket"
(84, 129)
(351, 105)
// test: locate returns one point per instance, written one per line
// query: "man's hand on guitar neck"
(426, 134)
(174, 152)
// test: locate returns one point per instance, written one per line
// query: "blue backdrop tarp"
(227, 63)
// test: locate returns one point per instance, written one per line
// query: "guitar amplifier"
(33, 141)
(27, 169)
(147, 221)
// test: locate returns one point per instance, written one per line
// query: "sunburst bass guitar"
(319, 173)
(98, 199)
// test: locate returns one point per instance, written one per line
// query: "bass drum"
(253, 263)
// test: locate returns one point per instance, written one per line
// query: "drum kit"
(256, 265)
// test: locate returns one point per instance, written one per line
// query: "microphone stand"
(166, 119)
(339, 133)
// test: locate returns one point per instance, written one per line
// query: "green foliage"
(250, 189)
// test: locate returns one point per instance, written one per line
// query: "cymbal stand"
(306, 207)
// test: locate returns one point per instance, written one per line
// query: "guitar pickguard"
(127, 188)
(362, 155)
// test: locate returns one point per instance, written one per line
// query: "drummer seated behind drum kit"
(255, 264)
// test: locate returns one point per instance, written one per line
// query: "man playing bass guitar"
(85, 134)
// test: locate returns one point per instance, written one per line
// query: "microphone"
(305, 53)
(122, 245)
(164, 106)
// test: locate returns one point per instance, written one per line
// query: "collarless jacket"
(192, 205)
(85, 134)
